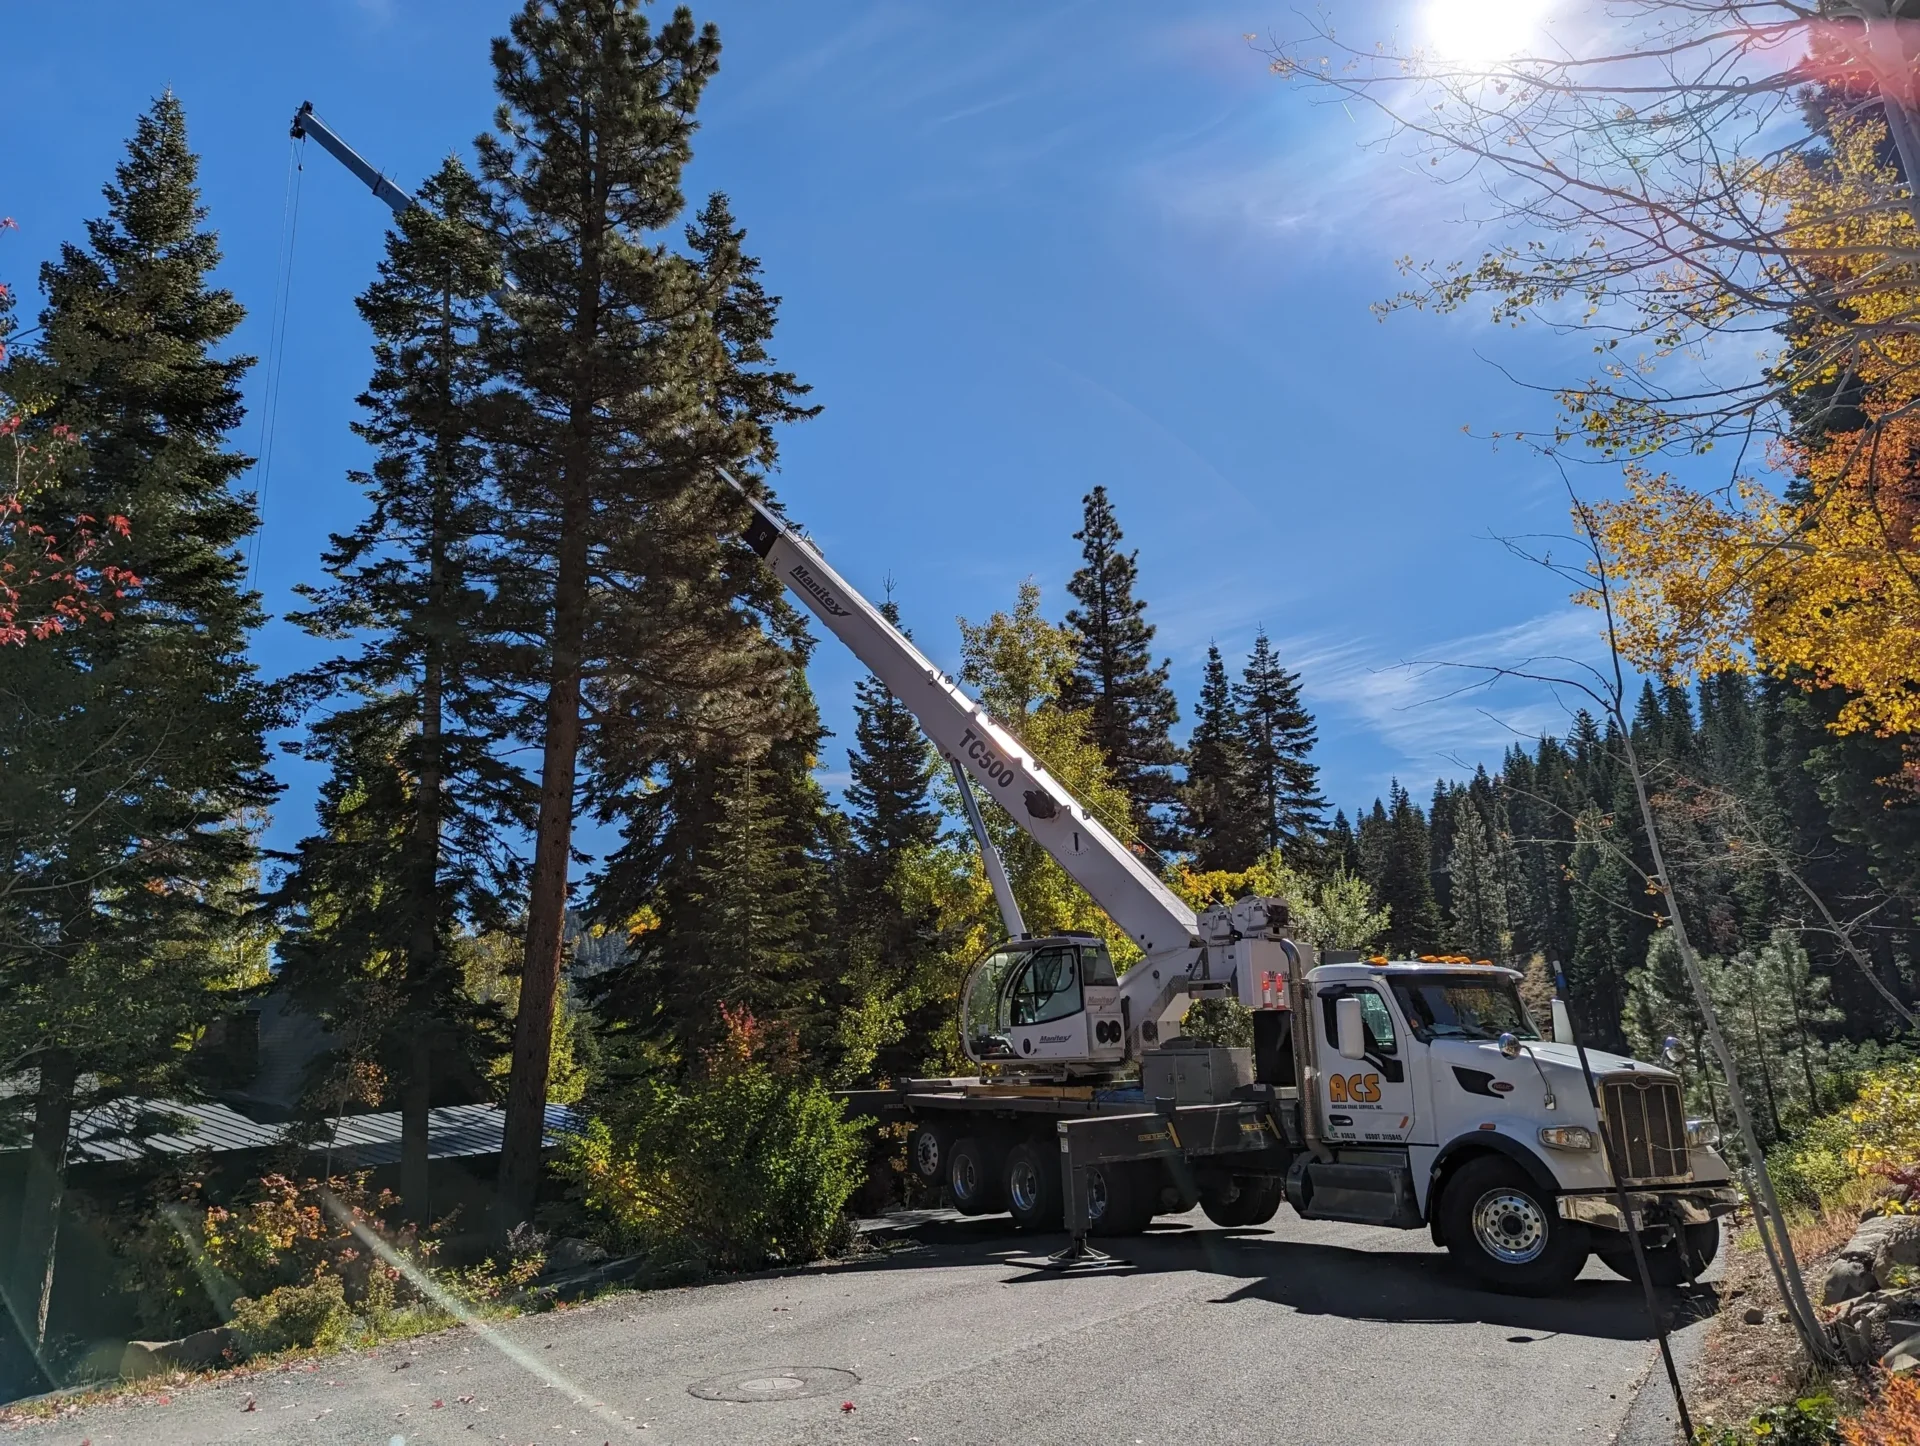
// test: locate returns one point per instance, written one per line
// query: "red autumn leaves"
(53, 575)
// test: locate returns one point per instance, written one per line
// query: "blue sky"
(1024, 248)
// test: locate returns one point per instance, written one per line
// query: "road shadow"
(1314, 1278)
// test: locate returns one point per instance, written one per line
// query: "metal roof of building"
(135, 1129)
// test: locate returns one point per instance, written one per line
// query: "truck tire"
(1175, 1191)
(1243, 1200)
(1032, 1178)
(975, 1177)
(927, 1149)
(1664, 1264)
(1121, 1199)
(1505, 1231)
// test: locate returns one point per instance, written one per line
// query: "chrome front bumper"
(1686, 1205)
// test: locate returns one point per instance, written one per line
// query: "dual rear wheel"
(1121, 1199)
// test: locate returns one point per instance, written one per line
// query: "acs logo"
(1361, 1089)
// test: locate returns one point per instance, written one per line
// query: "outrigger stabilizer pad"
(1077, 1254)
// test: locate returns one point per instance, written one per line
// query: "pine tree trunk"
(423, 948)
(415, 1103)
(43, 1194)
(1806, 1061)
(547, 903)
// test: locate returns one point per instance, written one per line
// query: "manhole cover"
(775, 1383)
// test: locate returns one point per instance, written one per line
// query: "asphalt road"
(1305, 1333)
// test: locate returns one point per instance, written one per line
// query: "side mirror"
(1562, 1023)
(1349, 1027)
(1509, 1045)
(1673, 1052)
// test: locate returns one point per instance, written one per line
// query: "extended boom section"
(1146, 909)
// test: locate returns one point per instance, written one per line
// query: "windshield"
(983, 1026)
(1463, 1006)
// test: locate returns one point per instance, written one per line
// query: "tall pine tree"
(628, 372)
(1478, 893)
(134, 749)
(1115, 680)
(1279, 732)
(418, 707)
(1220, 822)
(891, 770)
(1396, 852)
(891, 937)
(722, 886)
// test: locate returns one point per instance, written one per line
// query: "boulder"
(1887, 1240)
(568, 1253)
(1847, 1278)
(198, 1352)
(1903, 1348)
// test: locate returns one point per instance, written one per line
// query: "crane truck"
(1407, 1094)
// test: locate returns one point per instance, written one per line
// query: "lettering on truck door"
(1364, 1101)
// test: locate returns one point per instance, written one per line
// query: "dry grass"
(1746, 1367)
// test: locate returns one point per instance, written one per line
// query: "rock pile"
(1880, 1306)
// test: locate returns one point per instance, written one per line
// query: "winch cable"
(276, 347)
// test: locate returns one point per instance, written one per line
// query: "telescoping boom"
(1144, 908)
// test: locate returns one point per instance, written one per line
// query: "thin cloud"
(1431, 713)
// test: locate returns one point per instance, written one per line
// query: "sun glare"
(1482, 30)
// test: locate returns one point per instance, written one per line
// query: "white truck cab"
(1435, 1068)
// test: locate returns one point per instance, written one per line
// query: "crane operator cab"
(1037, 1001)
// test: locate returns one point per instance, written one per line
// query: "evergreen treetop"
(1126, 695)
(1220, 821)
(1279, 735)
(892, 771)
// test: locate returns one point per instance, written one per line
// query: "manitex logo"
(816, 589)
(1055, 1038)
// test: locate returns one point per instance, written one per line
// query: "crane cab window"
(1048, 988)
(1374, 1015)
(1096, 965)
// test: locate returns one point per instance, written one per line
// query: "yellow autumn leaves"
(1821, 584)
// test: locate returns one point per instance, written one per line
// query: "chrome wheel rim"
(1023, 1185)
(1510, 1226)
(966, 1177)
(926, 1155)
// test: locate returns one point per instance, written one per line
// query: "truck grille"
(1646, 1127)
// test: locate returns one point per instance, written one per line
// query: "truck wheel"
(1033, 1186)
(974, 1177)
(1175, 1191)
(1664, 1264)
(1503, 1229)
(927, 1153)
(1120, 1199)
(1243, 1200)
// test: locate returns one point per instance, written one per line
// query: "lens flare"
(1479, 31)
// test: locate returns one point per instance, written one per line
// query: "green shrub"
(1876, 1136)
(1806, 1422)
(1817, 1165)
(1223, 1021)
(739, 1170)
(294, 1316)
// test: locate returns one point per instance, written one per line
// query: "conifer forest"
(575, 849)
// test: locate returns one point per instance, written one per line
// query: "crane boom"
(1150, 913)
(306, 123)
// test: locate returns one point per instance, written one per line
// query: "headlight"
(1567, 1137)
(1702, 1133)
